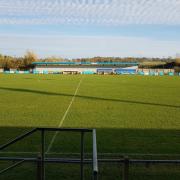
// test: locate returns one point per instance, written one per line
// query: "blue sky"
(87, 28)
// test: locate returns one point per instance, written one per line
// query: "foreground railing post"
(82, 155)
(95, 161)
(42, 155)
(95, 175)
(39, 168)
(126, 169)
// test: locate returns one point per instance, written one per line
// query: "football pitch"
(133, 115)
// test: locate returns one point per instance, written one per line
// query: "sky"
(88, 28)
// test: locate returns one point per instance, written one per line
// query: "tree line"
(20, 63)
(25, 62)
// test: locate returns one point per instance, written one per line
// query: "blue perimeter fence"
(100, 71)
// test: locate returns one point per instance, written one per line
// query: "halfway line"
(64, 116)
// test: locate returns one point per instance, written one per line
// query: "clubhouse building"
(92, 68)
(85, 67)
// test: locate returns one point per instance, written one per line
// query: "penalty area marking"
(64, 116)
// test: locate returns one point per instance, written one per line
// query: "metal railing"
(41, 160)
(126, 162)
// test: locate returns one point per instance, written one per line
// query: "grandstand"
(118, 68)
(85, 67)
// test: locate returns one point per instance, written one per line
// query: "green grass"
(132, 114)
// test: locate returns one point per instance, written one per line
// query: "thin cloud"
(90, 12)
(84, 46)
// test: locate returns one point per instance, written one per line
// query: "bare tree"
(178, 61)
(29, 58)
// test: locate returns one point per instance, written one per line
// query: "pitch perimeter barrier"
(41, 160)
(126, 162)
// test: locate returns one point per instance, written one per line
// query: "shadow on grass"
(87, 97)
(28, 78)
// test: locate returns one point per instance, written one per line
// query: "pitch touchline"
(64, 116)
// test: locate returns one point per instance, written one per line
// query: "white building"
(83, 68)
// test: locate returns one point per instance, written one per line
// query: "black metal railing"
(126, 162)
(41, 160)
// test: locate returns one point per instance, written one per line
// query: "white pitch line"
(64, 116)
